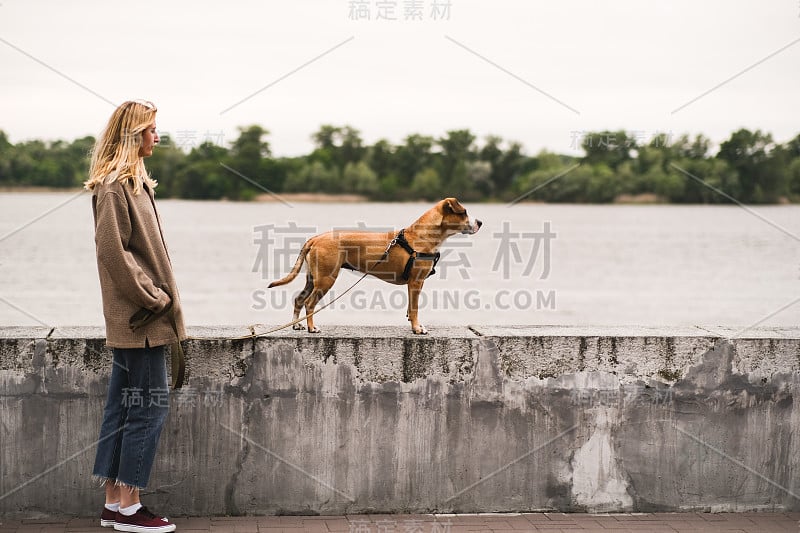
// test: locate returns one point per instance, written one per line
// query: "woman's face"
(149, 140)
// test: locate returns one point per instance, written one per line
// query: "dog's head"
(455, 218)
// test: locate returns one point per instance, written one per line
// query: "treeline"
(749, 167)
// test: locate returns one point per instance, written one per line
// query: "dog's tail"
(296, 268)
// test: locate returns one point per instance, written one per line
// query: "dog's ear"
(453, 206)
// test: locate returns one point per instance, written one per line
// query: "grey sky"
(536, 72)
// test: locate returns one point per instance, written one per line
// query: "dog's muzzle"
(473, 228)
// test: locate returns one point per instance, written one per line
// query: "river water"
(648, 265)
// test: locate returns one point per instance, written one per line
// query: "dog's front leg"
(414, 288)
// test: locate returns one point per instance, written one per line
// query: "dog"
(404, 258)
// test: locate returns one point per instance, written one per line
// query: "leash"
(282, 326)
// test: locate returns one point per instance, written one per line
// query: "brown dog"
(403, 258)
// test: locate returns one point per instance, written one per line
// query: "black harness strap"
(413, 255)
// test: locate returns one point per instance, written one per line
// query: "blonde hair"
(115, 156)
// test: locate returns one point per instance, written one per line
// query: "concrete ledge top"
(726, 332)
(24, 332)
(373, 332)
(233, 332)
(78, 332)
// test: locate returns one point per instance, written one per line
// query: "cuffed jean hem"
(103, 481)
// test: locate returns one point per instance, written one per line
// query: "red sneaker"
(143, 521)
(108, 518)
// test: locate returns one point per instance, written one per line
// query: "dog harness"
(400, 240)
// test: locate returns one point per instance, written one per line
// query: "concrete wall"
(357, 420)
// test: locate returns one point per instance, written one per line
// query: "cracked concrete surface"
(473, 419)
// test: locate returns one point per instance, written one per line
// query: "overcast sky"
(541, 73)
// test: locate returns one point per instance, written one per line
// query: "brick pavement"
(446, 523)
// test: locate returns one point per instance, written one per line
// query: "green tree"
(200, 174)
(165, 165)
(505, 164)
(611, 148)
(352, 149)
(380, 158)
(247, 158)
(25, 163)
(665, 183)
(413, 156)
(6, 155)
(359, 178)
(79, 153)
(479, 180)
(427, 184)
(390, 188)
(762, 176)
(314, 177)
(337, 146)
(650, 157)
(456, 150)
(686, 148)
(794, 179)
(538, 184)
(602, 184)
(749, 167)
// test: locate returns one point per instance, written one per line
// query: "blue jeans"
(137, 405)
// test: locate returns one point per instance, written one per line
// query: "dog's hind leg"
(322, 285)
(300, 299)
(323, 267)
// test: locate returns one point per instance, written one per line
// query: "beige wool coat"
(133, 264)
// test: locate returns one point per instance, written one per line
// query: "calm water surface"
(597, 265)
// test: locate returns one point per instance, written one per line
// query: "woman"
(142, 313)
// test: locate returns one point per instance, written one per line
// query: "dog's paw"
(420, 330)
(298, 327)
(315, 329)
